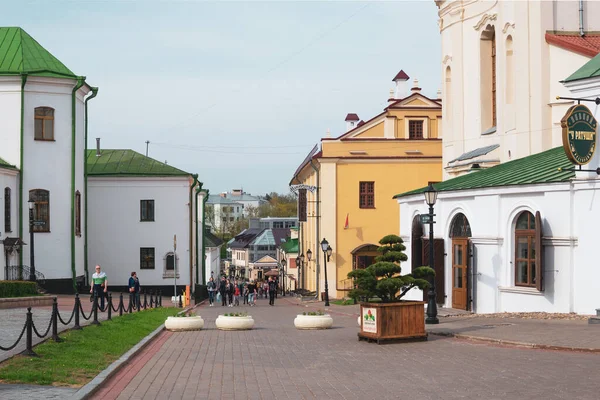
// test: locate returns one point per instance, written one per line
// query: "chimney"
(415, 88)
(328, 133)
(351, 121)
(401, 90)
(391, 99)
(439, 94)
(223, 194)
(98, 153)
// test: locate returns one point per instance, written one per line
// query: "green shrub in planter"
(383, 279)
(17, 289)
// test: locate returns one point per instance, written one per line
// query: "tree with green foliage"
(383, 279)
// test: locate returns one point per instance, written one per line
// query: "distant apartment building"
(274, 222)
(247, 200)
(223, 212)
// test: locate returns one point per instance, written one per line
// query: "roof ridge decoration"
(22, 54)
(485, 18)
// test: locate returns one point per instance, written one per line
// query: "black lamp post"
(430, 198)
(327, 250)
(31, 252)
(283, 268)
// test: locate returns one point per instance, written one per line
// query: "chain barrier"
(70, 319)
(9, 348)
(83, 313)
(38, 333)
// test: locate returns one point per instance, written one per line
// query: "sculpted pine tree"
(383, 279)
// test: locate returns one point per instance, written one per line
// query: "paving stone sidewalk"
(277, 361)
(542, 333)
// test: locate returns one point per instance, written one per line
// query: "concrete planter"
(313, 321)
(234, 323)
(184, 323)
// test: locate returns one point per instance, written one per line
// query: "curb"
(514, 343)
(91, 387)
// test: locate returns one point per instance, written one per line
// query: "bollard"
(151, 299)
(121, 304)
(159, 298)
(55, 321)
(138, 304)
(109, 307)
(77, 307)
(180, 300)
(29, 340)
(95, 310)
(145, 301)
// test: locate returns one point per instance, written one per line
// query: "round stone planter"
(313, 321)
(184, 323)
(234, 323)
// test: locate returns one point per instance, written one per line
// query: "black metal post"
(95, 310)
(159, 298)
(431, 296)
(180, 300)
(29, 340)
(31, 252)
(121, 304)
(284, 275)
(145, 301)
(151, 299)
(77, 307)
(326, 284)
(55, 321)
(109, 307)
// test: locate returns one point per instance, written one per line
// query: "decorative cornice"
(494, 241)
(560, 241)
(485, 18)
(508, 25)
(446, 59)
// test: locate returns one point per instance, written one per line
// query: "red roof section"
(401, 76)
(360, 123)
(352, 117)
(588, 45)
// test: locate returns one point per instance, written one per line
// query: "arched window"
(487, 74)
(525, 250)
(44, 123)
(41, 209)
(7, 207)
(510, 72)
(460, 227)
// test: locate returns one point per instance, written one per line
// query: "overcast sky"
(238, 92)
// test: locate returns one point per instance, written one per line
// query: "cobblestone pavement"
(34, 392)
(276, 361)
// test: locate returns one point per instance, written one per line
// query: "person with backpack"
(272, 290)
(212, 288)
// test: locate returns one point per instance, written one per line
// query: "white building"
(513, 232)
(213, 255)
(248, 201)
(137, 207)
(43, 135)
(224, 212)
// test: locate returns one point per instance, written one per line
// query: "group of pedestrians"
(230, 292)
(99, 287)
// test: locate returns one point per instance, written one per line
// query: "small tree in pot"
(383, 280)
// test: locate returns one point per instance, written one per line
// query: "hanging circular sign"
(579, 134)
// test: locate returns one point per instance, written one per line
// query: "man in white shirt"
(99, 285)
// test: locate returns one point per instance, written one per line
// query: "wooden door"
(459, 273)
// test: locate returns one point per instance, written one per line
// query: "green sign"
(425, 218)
(579, 134)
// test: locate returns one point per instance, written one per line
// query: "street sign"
(426, 218)
(39, 223)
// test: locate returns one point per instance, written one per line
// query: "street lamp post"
(31, 252)
(327, 250)
(308, 257)
(430, 198)
(284, 268)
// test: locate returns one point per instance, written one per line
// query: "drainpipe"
(198, 189)
(23, 81)
(581, 32)
(85, 188)
(78, 85)
(206, 192)
(318, 216)
(194, 183)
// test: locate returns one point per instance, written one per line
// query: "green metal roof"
(590, 69)
(22, 54)
(127, 163)
(5, 164)
(290, 246)
(534, 169)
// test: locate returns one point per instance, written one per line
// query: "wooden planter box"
(404, 320)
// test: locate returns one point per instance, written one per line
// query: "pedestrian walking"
(212, 288)
(246, 293)
(223, 291)
(236, 295)
(229, 292)
(99, 285)
(134, 290)
(252, 292)
(272, 290)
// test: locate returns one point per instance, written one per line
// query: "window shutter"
(539, 253)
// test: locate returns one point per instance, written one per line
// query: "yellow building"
(350, 180)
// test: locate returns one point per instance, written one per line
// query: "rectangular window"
(278, 224)
(147, 210)
(7, 207)
(41, 209)
(147, 258)
(44, 123)
(78, 213)
(367, 194)
(415, 129)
